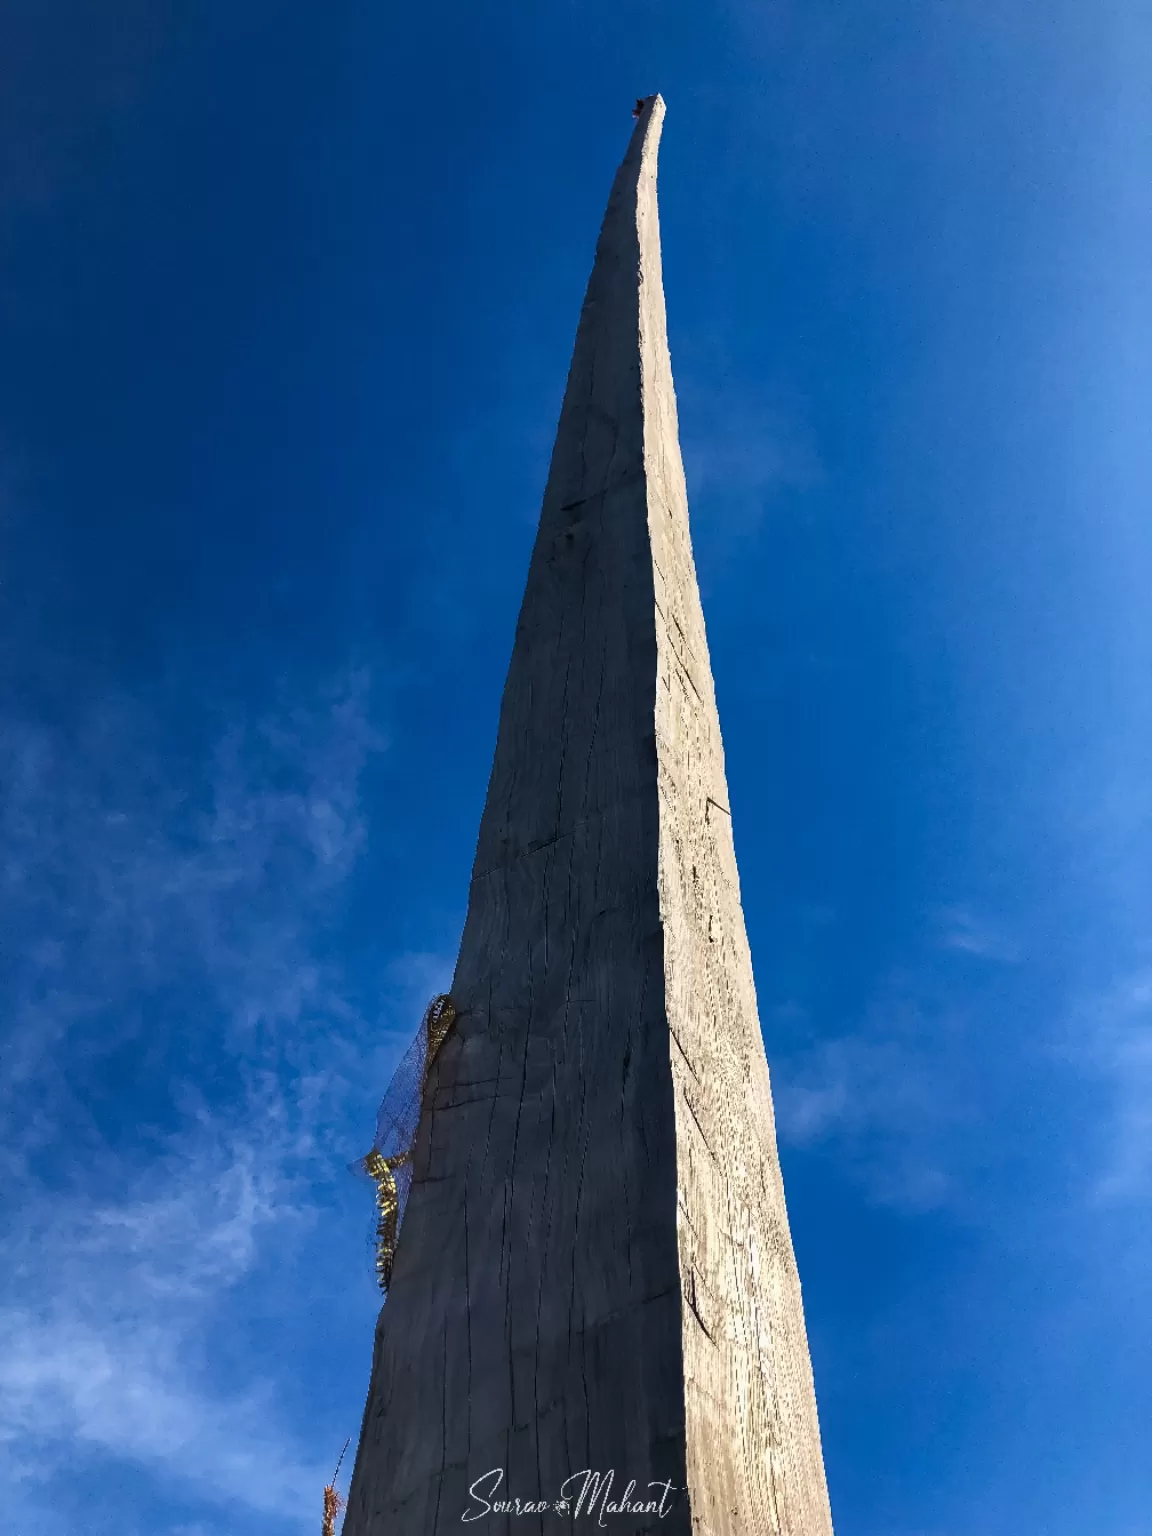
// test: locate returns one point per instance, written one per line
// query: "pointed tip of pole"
(649, 116)
(646, 106)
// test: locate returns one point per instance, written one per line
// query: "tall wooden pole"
(595, 1272)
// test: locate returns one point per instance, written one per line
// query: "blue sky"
(287, 297)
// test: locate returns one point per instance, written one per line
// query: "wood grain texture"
(595, 1269)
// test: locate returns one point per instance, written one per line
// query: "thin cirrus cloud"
(741, 451)
(1110, 1035)
(876, 1099)
(962, 929)
(177, 1084)
(105, 1314)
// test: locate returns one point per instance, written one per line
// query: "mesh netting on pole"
(389, 1163)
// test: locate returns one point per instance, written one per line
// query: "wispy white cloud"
(1111, 1033)
(739, 451)
(963, 929)
(1103, 808)
(125, 879)
(159, 909)
(931, 1095)
(102, 1323)
(885, 1097)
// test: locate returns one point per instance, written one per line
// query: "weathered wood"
(595, 1269)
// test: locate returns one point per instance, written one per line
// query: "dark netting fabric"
(389, 1163)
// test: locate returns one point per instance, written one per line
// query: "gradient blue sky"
(287, 295)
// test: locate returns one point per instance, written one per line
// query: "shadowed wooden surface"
(595, 1269)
